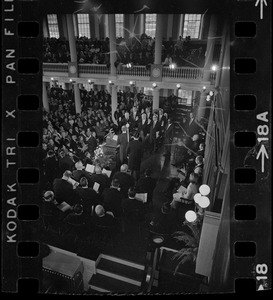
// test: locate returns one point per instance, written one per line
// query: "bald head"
(124, 168)
(100, 211)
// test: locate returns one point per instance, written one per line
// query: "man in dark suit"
(147, 185)
(80, 172)
(144, 128)
(191, 127)
(123, 142)
(168, 137)
(101, 179)
(154, 133)
(91, 141)
(112, 198)
(135, 116)
(127, 121)
(51, 167)
(65, 162)
(125, 180)
(135, 152)
(102, 218)
(88, 196)
(64, 191)
(131, 204)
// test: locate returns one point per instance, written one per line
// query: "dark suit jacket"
(123, 142)
(131, 205)
(65, 163)
(102, 179)
(63, 191)
(78, 174)
(146, 185)
(169, 133)
(191, 129)
(125, 121)
(112, 200)
(105, 221)
(126, 181)
(154, 128)
(135, 152)
(144, 129)
(89, 198)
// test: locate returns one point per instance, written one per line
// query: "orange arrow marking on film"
(262, 3)
(264, 154)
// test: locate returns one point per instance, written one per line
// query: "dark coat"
(63, 191)
(143, 129)
(146, 185)
(112, 201)
(135, 152)
(102, 179)
(89, 198)
(123, 142)
(51, 168)
(131, 205)
(154, 129)
(66, 163)
(169, 133)
(78, 174)
(105, 221)
(125, 180)
(191, 128)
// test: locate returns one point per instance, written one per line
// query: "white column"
(106, 26)
(170, 26)
(45, 98)
(97, 27)
(77, 98)
(207, 67)
(71, 38)
(112, 40)
(114, 101)
(158, 38)
(156, 98)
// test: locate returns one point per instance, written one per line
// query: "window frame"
(85, 22)
(200, 26)
(153, 22)
(56, 33)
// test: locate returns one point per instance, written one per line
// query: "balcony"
(179, 74)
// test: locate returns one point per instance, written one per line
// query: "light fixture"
(190, 216)
(131, 82)
(52, 78)
(110, 81)
(89, 81)
(70, 80)
(204, 189)
(129, 65)
(172, 66)
(154, 85)
(178, 86)
(214, 68)
(204, 202)
(211, 93)
(197, 197)
(204, 88)
(208, 98)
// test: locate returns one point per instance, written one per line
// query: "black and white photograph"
(134, 190)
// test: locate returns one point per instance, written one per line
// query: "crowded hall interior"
(135, 153)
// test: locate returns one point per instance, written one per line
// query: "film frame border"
(15, 121)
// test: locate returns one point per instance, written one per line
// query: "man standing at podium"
(123, 142)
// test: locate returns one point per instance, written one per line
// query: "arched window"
(192, 25)
(53, 28)
(119, 25)
(150, 24)
(83, 25)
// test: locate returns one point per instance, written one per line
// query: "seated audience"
(146, 184)
(102, 218)
(101, 179)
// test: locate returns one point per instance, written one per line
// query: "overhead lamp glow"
(190, 216)
(110, 82)
(70, 80)
(154, 85)
(204, 189)
(131, 82)
(214, 68)
(204, 202)
(197, 197)
(204, 88)
(208, 98)
(172, 66)
(211, 93)
(178, 86)
(89, 80)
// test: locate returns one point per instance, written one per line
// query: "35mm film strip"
(248, 213)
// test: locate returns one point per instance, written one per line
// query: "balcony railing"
(93, 69)
(186, 73)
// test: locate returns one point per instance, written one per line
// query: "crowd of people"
(74, 196)
(137, 51)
